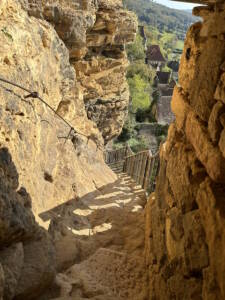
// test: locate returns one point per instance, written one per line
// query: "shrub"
(141, 69)
(140, 92)
(136, 50)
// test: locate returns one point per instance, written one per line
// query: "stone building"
(162, 79)
(164, 115)
(162, 96)
(154, 57)
(174, 66)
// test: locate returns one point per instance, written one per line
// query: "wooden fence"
(117, 156)
(143, 167)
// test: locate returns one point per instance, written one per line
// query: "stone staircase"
(117, 167)
(101, 235)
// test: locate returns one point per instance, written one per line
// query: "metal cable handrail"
(35, 95)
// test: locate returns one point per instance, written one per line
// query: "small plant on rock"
(6, 33)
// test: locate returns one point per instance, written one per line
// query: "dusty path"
(102, 237)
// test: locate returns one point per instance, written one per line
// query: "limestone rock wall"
(59, 48)
(185, 218)
(46, 47)
(95, 32)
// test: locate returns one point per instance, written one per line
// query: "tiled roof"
(163, 77)
(154, 53)
(173, 65)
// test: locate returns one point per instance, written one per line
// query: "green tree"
(136, 50)
(140, 68)
(140, 92)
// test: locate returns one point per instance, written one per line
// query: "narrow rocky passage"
(102, 237)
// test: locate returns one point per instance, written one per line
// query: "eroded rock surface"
(72, 54)
(27, 254)
(102, 237)
(95, 33)
(47, 46)
(185, 233)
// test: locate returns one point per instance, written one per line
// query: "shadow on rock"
(27, 255)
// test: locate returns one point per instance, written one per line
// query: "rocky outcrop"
(95, 32)
(33, 54)
(185, 218)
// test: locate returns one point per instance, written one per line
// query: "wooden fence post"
(149, 160)
(142, 166)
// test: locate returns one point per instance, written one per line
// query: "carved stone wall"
(185, 218)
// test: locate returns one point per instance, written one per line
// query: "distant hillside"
(160, 16)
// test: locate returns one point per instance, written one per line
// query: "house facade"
(154, 57)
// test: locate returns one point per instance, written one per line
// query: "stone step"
(106, 274)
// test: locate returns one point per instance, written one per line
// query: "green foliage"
(140, 92)
(138, 144)
(139, 75)
(165, 27)
(136, 50)
(129, 137)
(6, 33)
(161, 17)
(161, 130)
(157, 129)
(180, 45)
(140, 68)
(127, 132)
(145, 115)
(167, 41)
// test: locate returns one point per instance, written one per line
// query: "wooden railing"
(143, 167)
(116, 156)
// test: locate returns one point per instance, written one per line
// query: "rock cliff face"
(185, 235)
(95, 33)
(72, 54)
(34, 55)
